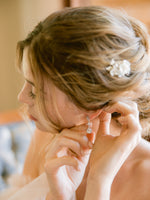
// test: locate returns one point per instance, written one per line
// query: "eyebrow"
(30, 82)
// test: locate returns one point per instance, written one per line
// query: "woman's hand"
(66, 161)
(110, 152)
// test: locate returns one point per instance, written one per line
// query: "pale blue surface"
(14, 142)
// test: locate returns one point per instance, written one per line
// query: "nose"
(24, 97)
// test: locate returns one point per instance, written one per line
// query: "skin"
(115, 167)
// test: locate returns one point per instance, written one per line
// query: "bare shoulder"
(34, 153)
(141, 170)
(141, 158)
(133, 179)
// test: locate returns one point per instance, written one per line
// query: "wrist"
(99, 178)
(97, 189)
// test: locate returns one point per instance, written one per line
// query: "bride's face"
(59, 108)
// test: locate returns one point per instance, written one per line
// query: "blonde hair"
(73, 47)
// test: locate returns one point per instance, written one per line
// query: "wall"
(9, 33)
(139, 9)
(17, 18)
(32, 11)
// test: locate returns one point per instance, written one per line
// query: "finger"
(81, 138)
(80, 129)
(52, 166)
(104, 127)
(133, 123)
(61, 142)
(125, 143)
(130, 136)
(124, 108)
(133, 126)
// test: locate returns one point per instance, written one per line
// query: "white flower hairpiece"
(119, 68)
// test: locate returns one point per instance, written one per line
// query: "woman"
(86, 87)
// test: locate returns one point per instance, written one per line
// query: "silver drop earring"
(89, 129)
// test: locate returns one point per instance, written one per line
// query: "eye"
(32, 95)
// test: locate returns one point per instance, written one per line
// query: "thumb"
(104, 127)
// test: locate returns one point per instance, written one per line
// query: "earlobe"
(95, 114)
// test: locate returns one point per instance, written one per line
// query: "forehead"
(26, 65)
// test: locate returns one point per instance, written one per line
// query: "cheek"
(71, 115)
(59, 113)
(52, 110)
(43, 123)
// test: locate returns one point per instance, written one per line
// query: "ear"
(94, 114)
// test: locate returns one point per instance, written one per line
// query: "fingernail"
(90, 144)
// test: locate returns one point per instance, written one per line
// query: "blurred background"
(18, 17)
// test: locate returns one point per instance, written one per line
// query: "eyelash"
(32, 95)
